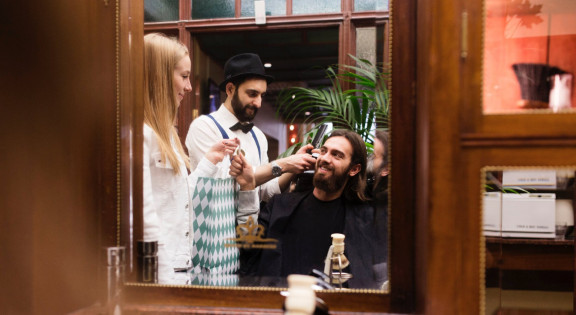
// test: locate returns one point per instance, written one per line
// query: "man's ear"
(385, 172)
(230, 88)
(354, 170)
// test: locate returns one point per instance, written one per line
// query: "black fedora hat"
(243, 65)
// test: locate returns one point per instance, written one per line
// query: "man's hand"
(243, 172)
(298, 162)
(222, 149)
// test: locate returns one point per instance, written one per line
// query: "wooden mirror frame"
(400, 298)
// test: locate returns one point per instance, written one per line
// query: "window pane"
(161, 10)
(371, 5)
(273, 7)
(529, 56)
(319, 6)
(202, 9)
(366, 43)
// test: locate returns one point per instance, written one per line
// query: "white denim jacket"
(167, 208)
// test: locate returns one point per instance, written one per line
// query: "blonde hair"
(161, 54)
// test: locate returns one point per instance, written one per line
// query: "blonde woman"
(165, 179)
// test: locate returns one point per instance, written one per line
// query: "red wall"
(505, 46)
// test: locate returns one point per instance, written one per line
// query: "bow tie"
(245, 127)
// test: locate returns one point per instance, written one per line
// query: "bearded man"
(303, 222)
(245, 84)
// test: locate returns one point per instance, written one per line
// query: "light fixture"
(291, 127)
(268, 65)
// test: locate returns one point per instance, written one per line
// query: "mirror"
(528, 63)
(528, 227)
(205, 42)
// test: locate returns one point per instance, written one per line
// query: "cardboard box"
(530, 215)
(492, 208)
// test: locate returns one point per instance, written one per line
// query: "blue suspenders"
(225, 135)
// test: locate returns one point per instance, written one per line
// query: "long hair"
(354, 190)
(161, 54)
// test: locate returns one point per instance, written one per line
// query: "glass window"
(370, 44)
(371, 5)
(529, 55)
(273, 7)
(319, 6)
(161, 10)
(528, 224)
(366, 43)
(202, 9)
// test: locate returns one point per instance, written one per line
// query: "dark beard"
(240, 111)
(330, 185)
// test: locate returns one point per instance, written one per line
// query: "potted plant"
(362, 108)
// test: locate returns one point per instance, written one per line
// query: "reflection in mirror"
(528, 56)
(297, 58)
(528, 226)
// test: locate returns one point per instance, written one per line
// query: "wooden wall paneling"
(446, 256)
(144, 296)
(59, 163)
(471, 72)
(402, 151)
(131, 58)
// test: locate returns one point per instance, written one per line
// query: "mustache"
(324, 164)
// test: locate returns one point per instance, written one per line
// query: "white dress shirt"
(204, 133)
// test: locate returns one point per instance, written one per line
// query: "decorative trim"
(483, 140)
(118, 139)
(268, 289)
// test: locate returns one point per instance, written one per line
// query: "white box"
(538, 179)
(492, 208)
(531, 215)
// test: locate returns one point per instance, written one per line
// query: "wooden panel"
(403, 156)
(132, 120)
(58, 120)
(512, 254)
(209, 298)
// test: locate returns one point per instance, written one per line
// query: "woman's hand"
(220, 150)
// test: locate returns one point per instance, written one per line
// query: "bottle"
(148, 261)
(115, 258)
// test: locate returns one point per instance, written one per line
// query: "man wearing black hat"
(245, 82)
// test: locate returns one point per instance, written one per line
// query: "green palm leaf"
(356, 109)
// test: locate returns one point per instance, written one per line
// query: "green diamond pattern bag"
(213, 224)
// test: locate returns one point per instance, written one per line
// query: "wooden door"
(59, 118)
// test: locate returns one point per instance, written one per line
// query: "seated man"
(303, 222)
